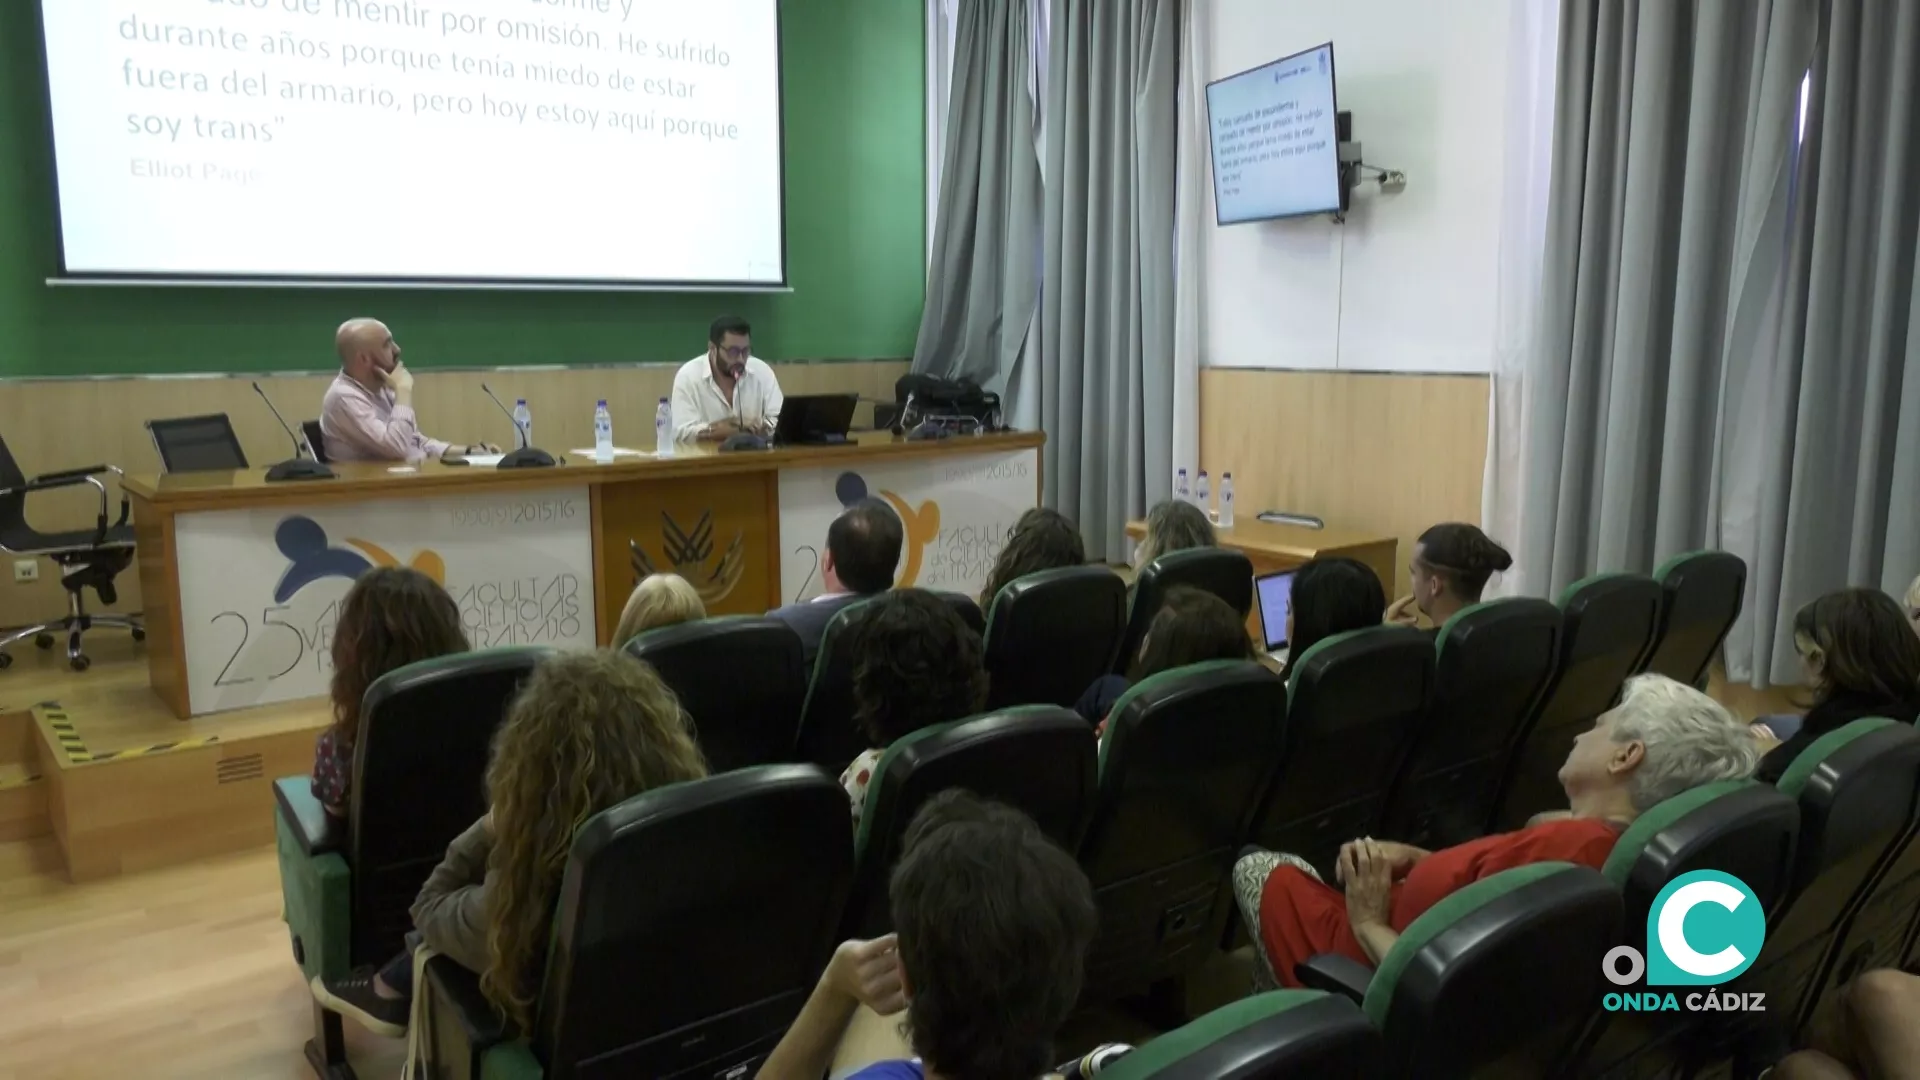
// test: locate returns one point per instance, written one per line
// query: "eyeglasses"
(736, 352)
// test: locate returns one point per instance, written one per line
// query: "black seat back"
(1051, 634)
(1447, 997)
(419, 779)
(316, 440)
(14, 533)
(1491, 664)
(1270, 1036)
(1184, 760)
(968, 610)
(1701, 593)
(1355, 700)
(1224, 572)
(692, 923)
(1038, 759)
(741, 680)
(197, 444)
(1855, 787)
(828, 736)
(1607, 625)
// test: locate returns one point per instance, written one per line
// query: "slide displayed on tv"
(1275, 153)
(592, 142)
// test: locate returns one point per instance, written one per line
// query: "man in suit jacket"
(863, 549)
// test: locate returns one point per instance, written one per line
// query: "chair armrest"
(1335, 974)
(68, 476)
(317, 831)
(511, 1061)
(462, 1025)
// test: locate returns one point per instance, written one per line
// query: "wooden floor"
(181, 972)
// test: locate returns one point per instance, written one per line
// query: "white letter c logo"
(1673, 937)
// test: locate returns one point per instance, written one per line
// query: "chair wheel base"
(5, 661)
(138, 634)
(339, 1070)
(43, 641)
(79, 663)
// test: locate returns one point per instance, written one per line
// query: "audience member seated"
(1192, 626)
(1861, 660)
(1450, 566)
(1662, 739)
(1173, 526)
(659, 600)
(392, 617)
(916, 664)
(588, 731)
(367, 414)
(863, 548)
(1042, 539)
(1878, 1036)
(1331, 596)
(992, 925)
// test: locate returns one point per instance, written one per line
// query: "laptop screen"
(1276, 599)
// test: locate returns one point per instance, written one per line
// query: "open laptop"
(1274, 592)
(815, 419)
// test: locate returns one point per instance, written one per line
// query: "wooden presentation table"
(1273, 548)
(242, 579)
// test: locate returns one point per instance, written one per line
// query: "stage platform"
(98, 761)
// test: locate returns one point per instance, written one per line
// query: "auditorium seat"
(1495, 980)
(968, 610)
(419, 780)
(1701, 594)
(1492, 662)
(828, 736)
(1271, 1036)
(1051, 634)
(1184, 758)
(1224, 572)
(1607, 626)
(691, 926)
(1355, 701)
(1737, 827)
(739, 677)
(1038, 759)
(1854, 787)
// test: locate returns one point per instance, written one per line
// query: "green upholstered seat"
(1283, 1033)
(1051, 634)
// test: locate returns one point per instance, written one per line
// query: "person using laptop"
(727, 390)
(863, 549)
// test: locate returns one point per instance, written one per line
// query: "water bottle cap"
(520, 401)
(1226, 476)
(603, 403)
(1203, 472)
(663, 401)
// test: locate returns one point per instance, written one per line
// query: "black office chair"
(739, 678)
(1701, 596)
(316, 441)
(88, 558)
(1224, 572)
(1051, 634)
(197, 444)
(419, 768)
(692, 923)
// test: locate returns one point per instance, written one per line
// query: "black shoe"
(353, 995)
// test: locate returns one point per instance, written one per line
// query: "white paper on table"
(618, 451)
(483, 461)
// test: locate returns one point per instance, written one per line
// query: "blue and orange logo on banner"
(312, 557)
(921, 525)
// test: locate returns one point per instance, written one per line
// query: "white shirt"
(697, 400)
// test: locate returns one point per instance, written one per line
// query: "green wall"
(855, 171)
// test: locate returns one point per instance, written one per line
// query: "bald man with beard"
(367, 414)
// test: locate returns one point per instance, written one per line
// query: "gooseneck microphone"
(296, 467)
(523, 455)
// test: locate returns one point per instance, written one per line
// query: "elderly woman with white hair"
(1662, 739)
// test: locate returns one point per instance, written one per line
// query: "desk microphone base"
(298, 469)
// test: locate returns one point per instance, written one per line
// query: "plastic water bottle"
(1226, 500)
(602, 433)
(1202, 498)
(522, 422)
(1180, 486)
(663, 430)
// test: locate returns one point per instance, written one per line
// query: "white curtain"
(942, 16)
(1193, 216)
(1527, 113)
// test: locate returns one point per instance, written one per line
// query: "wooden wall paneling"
(713, 531)
(1386, 454)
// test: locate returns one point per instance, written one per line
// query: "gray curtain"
(1105, 379)
(1669, 195)
(983, 280)
(1826, 490)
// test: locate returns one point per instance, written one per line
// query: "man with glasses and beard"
(728, 390)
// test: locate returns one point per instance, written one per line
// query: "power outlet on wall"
(26, 570)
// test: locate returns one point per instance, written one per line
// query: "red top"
(1301, 917)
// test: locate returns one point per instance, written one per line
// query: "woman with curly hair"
(1042, 539)
(587, 732)
(392, 617)
(916, 664)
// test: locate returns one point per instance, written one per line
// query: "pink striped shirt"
(358, 424)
